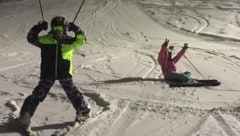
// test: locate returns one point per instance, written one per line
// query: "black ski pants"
(41, 90)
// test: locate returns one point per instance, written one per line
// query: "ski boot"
(24, 122)
(81, 117)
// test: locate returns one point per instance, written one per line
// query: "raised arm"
(180, 53)
(32, 36)
(80, 37)
(162, 53)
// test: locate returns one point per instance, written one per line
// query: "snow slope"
(116, 70)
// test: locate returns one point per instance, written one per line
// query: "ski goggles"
(58, 28)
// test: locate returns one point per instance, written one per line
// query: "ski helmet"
(59, 21)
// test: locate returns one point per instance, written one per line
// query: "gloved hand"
(171, 47)
(76, 29)
(185, 46)
(43, 25)
(72, 27)
(165, 44)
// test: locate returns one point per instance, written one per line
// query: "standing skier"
(168, 63)
(56, 64)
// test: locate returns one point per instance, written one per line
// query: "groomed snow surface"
(116, 70)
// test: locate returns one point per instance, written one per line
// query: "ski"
(195, 83)
(74, 127)
(29, 132)
(70, 128)
(15, 122)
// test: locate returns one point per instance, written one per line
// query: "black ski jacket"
(56, 55)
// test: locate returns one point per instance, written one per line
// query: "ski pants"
(41, 90)
(178, 77)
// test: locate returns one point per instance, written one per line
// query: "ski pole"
(40, 4)
(194, 67)
(78, 11)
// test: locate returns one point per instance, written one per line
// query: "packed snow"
(117, 69)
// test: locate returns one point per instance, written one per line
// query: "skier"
(56, 64)
(168, 63)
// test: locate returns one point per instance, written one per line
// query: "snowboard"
(195, 83)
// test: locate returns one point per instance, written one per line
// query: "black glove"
(43, 25)
(165, 44)
(76, 29)
(185, 46)
(73, 27)
(171, 48)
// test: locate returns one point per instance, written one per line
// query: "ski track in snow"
(178, 17)
(221, 124)
(203, 24)
(112, 115)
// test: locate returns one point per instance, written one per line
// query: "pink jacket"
(170, 67)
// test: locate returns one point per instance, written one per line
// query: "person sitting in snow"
(168, 63)
(56, 64)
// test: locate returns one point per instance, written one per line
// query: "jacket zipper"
(56, 60)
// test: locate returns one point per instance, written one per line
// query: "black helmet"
(58, 21)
